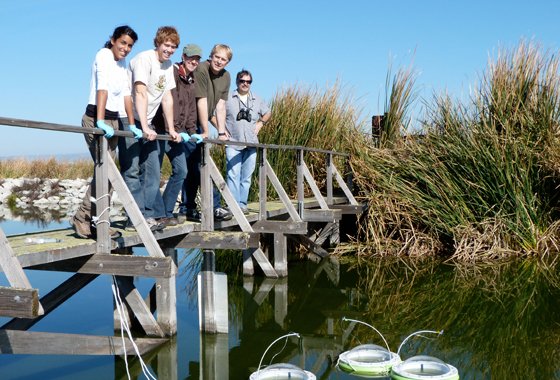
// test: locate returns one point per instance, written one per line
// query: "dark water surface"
(500, 321)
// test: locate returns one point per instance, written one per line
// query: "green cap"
(192, 50)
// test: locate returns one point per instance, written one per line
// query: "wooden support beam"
(274, 226)
(133, 211)
(166, 297)
(348, 209)
(263, 262)
(206, 197)
(220, 240)
(101, 192)
(19, 303)
(262, 184)
(11, 266)
(120, 265)
(321, 215)
(40, 343)
(228, 196)
(280, 254)
(52, 300)
(281, 301)
(313, 185)
(248, 268)
(343, 186)
(132, 297)
(281, 193)
(310, 245)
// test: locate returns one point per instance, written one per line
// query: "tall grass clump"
(309, 116)
(22, 167)
(483, 181)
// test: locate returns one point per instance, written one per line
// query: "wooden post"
(329, 180)
(102, 193)
(262, 184)
(166, 297)
(280, 254)
(206, 198)
(300, 195)
(167, 361)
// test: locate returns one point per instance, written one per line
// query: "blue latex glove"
(197, 137)
(137, 132)
(109, 132)
(187, 138)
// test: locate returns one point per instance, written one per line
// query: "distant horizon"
(66, 156)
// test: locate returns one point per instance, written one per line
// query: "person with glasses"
(184, 165)
(246, 114)
(109, 88)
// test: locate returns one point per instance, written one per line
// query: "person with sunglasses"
(109, 89)
(246, 114)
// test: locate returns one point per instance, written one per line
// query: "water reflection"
(500, 320)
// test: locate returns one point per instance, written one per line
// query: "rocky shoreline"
(59, 199)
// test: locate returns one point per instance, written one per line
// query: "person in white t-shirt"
(151, 78)
(109, 87)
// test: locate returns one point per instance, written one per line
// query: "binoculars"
(244, 114)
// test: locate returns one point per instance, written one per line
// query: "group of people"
(153, 96)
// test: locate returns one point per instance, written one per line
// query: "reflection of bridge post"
(212, 297)
(214, 356)
(281, 301)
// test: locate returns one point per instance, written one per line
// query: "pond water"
(500, 321)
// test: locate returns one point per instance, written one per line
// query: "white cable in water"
(271, 344)
(417, 333)
(124, 326)
(382, 337)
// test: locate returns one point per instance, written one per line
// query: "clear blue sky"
(48, 46)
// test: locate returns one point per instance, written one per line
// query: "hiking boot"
(154, 225)
(82, 228)
(245, 210)
(168, 221)
(221, 214)
(193, 215)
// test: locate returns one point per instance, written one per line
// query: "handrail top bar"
(96, 131)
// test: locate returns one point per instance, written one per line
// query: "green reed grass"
(481, 183)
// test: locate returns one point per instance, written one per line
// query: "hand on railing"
(109, 132)
(187, 138)
(137, 132)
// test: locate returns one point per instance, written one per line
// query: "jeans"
(240, 168)
(193, 152)
(163, 206)
(140, 168)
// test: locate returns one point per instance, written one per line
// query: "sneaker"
(130, 226)
(193, 215)
(221, 214)
(82, 228)
(168, 221)
(181, 218)
(245, 210)
(154, 225)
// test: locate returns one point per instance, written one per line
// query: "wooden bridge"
(90, 258)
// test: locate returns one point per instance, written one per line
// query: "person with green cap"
(185, 171)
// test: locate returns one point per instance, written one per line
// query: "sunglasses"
(245, 81)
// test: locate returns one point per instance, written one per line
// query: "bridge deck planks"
(72, 246)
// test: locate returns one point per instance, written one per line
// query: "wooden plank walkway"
(72, 246)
